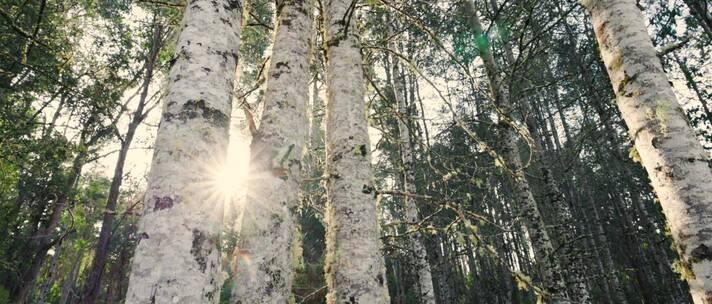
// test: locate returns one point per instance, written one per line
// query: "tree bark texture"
(354, 266)
(263, 270)
(177, 258)
(675, 161)
(542, 245)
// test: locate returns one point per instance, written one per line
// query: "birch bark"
(676, 163)
(177, 258)
(264, 254)
(419, 255)
(355, 271)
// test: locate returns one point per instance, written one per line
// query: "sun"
(230, 178)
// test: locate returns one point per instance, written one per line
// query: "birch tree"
(676, 163)
(177, 258)
(419, 255)
(264, 254)
(541, 242)
(354, 266)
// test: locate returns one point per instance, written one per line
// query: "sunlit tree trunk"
(675, 161)
(177, 258)
(264, 252)
(541, 243)
(355, 271)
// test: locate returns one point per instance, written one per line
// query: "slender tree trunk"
(354, 264)
(692, 84)
(675, 161)
(42, 238)
(419, 255)
(700, 10)
(67, 290)
(552, 278)
(118, 272)
(177, 258)
(264, 254)
(51, 275)
(91, 291)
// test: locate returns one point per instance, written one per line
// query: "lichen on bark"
(354, 263)
(264, 262)
(177, 258)
(675, 161)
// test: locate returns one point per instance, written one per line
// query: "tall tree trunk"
(67, 290)
(692, 84)
(675, 161)
(51, 275)
(543, 247)
(91, 291)
(177, 258)
(354, 265)
(701, 11)
(264, 252)
(42, 238)
(419, 255)
(118, 270)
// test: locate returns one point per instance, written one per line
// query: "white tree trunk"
(177, 258)
(675, 161)
(419, 255)
(264, 254)
(355, 271)
(552, 276)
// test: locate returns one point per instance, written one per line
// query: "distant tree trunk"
(42, 239)
(675, 161)
(91, 291)
(118, 271)
(692, 84)
(263, 258)
(701, 11)
(419, 255)
(67, 290)
(354, 264)
(177, 258)
(51, 275)
(541, 243)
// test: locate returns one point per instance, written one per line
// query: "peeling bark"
(177, 258)
(676, 163)
(355, 271)
(263, 270)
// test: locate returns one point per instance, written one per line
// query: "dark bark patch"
(225, 21)
(202, 247)
(367, 189)
(278, 66)
(198, 108)
(233, 4)
(160, 203)
(701, 253)
(360, 150)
